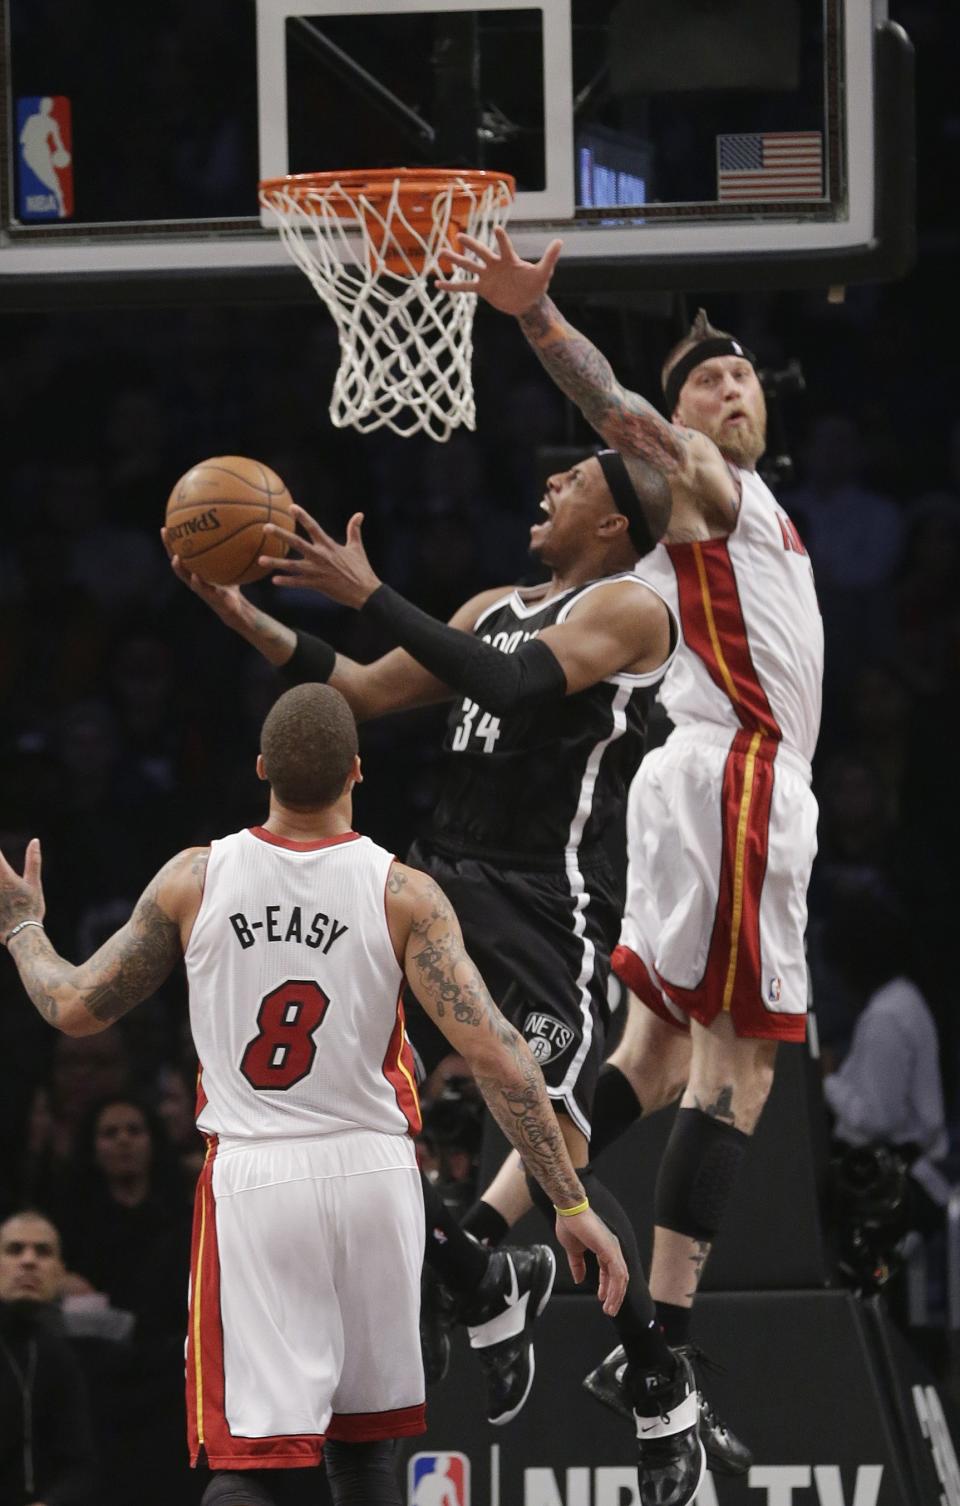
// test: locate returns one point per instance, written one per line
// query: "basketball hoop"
(371, 244)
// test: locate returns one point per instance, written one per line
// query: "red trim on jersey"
(633, 971)
(288, 842)
(369, 1427)
(208, 1434)
(713, 626)
(732, 977)
(201, 1092)
(792, 541)
(400, 1072)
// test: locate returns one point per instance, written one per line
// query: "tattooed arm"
(690, 461)
(429, 943)
(624, 419)
(128, 968)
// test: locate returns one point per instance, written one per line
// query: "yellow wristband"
(577, 1208)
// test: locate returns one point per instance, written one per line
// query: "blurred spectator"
(853, 535)
(879, 727)
(856, 845)
(46, 1441)
(126, 1223)
(176, 1109)
(127, 1232)
(85, 1069)
(928, 594)
(888, 1089)
(856, 828)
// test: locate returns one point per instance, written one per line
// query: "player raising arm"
(296, 936)
(549, 687)
(721, 821)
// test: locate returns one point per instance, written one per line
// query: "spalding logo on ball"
(216, 515)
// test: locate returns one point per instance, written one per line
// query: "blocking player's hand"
(503, 278)
(341, 571)
(21, 898)
(583, 1232)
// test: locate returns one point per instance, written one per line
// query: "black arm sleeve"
(311, 660)
(497, 682)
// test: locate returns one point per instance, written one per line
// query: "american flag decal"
(770, 166)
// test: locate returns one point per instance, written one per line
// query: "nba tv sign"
(44, 148)
(768, 1484)
(443, 1479)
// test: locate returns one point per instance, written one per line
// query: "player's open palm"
(341, 572)
(586, 1232)
(21, 898)
(227, 601)
(503, 278)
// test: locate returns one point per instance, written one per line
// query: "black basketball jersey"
(543, 781)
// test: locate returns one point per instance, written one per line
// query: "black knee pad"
(697, 1174)
(242, 1488)
(362, 1474)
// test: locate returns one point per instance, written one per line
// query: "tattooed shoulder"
(188, 867)
(198, 866)
(432, 906)
(396, 880)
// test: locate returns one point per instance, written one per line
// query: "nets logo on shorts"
(44, 158)
(546, 1036)
(438, 1480)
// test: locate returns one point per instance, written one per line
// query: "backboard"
(670, 143)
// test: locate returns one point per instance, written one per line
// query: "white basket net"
(405, 346)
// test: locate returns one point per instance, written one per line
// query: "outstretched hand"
(341, 571)
(583, 1232)
(503, 278)
(228, 602)
(21, 898)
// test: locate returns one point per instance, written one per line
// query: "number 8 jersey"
(295, 991)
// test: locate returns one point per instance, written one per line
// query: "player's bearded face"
(723, 398)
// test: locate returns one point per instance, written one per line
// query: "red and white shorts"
(721, 837)
(305, 1299)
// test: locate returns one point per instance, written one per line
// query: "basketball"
(216, 515)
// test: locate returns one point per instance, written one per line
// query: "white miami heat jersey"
(295, 991)
(751, 656)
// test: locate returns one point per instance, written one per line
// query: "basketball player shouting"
(308, 1230)
(542, 741)
(721, 821)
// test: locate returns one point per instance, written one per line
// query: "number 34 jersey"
(545, 780)
(295, 991)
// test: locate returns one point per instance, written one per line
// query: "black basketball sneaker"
(671, 1462)
(500, 1322)
(726, 1454)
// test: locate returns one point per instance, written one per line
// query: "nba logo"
(44, 158)
(438, 1480)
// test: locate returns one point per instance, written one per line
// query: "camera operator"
(888, 1091)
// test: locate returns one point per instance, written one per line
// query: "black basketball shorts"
(542, 941)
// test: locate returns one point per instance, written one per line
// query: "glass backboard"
(666, 141)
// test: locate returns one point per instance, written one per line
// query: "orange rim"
(378, 183)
